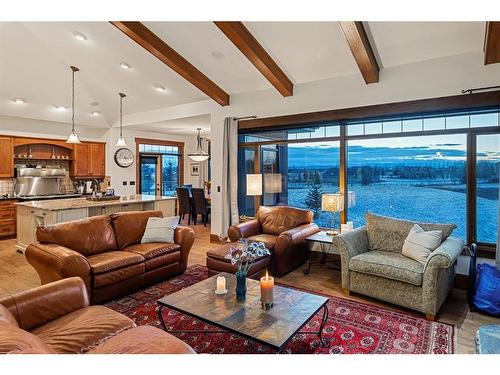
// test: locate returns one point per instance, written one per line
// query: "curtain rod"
(470, 91)
(244, 118)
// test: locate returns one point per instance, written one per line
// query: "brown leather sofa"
(105, 251)
(283, 229)
(56, 319)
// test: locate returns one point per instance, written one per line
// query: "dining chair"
(184, 204)
(200, 205)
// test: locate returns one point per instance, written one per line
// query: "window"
(160, 166)
(415, 178)
(487, 187)
(414, 167)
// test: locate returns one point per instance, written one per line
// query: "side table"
(327, 245)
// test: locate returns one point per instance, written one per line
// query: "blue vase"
(241, 285)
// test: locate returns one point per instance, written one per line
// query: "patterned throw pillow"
(160, 229)
(420, 244)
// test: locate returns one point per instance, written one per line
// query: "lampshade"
(121, 142)
(332, 202)
(73, 139)
(254, 184)
(272, 183)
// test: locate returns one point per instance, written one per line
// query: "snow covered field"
(406, 201)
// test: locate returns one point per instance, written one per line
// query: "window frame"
(491, 100)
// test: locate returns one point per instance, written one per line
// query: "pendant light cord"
(122, 95)
(73, 70)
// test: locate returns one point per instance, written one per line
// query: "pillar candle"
(221, 284)
(350, 225)
(267, 289)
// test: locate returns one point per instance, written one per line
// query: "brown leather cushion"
(143, 340)
(83, 329)
(129, 226)
(7, 317)
(14, 340)
(87, 236)
(113, 260)
(163, 260)
(268, 239)
(152, 249)
(278, 219)
(111, 277)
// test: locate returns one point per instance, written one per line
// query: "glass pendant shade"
(73, 138)
(199, 155)
(121, 142)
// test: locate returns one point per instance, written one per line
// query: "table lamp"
(272, 183)
(332, 203)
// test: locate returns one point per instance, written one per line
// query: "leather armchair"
(283, 229)
(56, 319)
(107, 254)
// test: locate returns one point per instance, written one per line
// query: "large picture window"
(429, 167)
(416, 178)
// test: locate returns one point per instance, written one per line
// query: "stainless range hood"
(40, 183)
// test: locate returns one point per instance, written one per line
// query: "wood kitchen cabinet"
(6, 157)
(88, 160)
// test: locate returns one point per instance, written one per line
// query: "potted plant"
(243, 254)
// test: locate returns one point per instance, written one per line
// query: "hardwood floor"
(17, 275)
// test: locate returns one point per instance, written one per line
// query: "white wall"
(426, 79)
(118, 174)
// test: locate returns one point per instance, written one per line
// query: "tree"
(313, 199)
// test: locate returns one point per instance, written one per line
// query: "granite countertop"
(69, 203)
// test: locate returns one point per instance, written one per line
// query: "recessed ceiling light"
(160, 88)
(60, 108)
(79, 36)
(124, 65)
(19, 100)
(218, 55)
(95, 113)
(94, 104)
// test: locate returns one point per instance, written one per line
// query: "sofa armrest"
(445, 255)
(184, 236)
(298, 234)
(35, 307)
(54, 262)
(350, 244)
(244, 230)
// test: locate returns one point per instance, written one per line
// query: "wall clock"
(124, 157)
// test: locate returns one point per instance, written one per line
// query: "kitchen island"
(32, 214)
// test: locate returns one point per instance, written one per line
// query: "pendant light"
(121, 141)
(73, 137)
(199, 155)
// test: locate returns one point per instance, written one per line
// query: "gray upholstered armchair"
(372, 264)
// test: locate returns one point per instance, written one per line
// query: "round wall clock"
(124, 157)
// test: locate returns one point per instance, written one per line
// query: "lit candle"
(221, 285)
(266, 289)
(344, 228)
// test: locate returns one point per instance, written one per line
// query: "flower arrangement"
(245, 253)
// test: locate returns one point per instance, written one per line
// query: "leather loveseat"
(283, 229)
(107, 253)
(56, 319)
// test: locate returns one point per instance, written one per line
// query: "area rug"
(352, 327)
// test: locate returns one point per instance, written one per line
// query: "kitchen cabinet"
(7, 218)
(88, 160)
(6, 157)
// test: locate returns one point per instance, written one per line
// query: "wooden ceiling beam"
(251, 48)
(492, 43)
(361, 49)
(157, 47)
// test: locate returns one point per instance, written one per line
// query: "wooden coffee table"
(275, 327)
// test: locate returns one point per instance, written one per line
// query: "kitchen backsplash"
(6, 186)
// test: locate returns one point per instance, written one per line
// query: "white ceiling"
(35, 59)
(183, 126)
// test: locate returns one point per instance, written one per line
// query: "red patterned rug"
(352, 327)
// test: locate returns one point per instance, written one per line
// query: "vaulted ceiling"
(35, 59)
